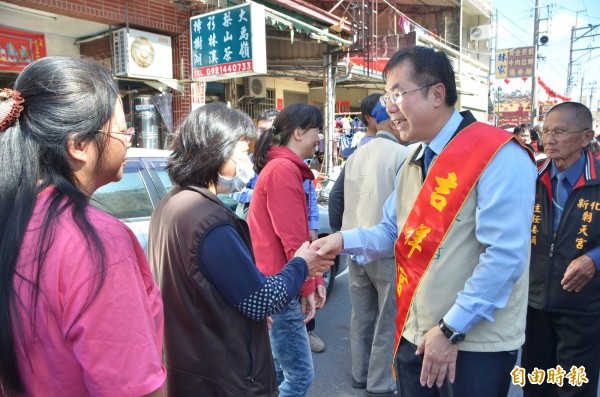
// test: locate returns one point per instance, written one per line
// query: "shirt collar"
(573, 172)
(442, 138)
(386, 134)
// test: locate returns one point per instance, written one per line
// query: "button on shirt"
(491, 287)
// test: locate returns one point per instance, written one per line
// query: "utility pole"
(581, 90)
(570, 68)
(590, 32)
(492, 65)
(536, 34)
(329, 116)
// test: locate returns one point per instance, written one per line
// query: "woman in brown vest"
(216, 301)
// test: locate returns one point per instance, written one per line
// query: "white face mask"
(243, 174)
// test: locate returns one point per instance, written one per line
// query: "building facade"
(329, 53)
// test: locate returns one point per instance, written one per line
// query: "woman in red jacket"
(278, 227)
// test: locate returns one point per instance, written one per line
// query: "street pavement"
(332, 367)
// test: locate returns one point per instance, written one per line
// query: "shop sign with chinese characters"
(229, 43)
(19, 48)
(516, 62)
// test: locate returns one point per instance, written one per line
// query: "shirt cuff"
(351, 241)
(594, 253)
(459, 319)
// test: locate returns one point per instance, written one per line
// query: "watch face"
(453, 337)
(456, 338)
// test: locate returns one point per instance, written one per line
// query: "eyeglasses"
(396, 97)
(129, 133)
(558, 134)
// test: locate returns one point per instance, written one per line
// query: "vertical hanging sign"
(229, 43)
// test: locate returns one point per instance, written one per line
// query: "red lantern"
(524, 78)
(507, 81)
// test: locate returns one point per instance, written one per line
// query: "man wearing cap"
(366, 112)
(362, 188)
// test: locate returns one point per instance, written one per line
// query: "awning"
(310, 13)
(284, 18)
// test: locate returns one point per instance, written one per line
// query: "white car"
(145, 181)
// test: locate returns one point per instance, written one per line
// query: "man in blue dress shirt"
(466, 320)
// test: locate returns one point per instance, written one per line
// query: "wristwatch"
(453, 336)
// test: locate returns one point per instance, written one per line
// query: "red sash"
(449, 182)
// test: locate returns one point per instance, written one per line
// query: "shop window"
(290, 97)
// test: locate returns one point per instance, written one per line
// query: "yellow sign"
(516, 62)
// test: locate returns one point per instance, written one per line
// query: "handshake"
(319, 254)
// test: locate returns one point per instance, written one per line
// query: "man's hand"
(320, 296)
(307, 305)
(316, 265)
(578, 274)
(439, 358)
(329, 245)
(313, 235)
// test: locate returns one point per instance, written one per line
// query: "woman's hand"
(307, 305)
(320, 296)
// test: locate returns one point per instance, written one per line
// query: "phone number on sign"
(242, 66)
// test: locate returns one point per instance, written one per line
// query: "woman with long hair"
(278, 226)
(216, 300)
(80, 314)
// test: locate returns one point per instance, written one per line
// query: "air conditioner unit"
(482, 32)
(255, 87)
(142, 54)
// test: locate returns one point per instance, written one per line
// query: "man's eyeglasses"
(129, 133)
(396, 97)
(558, 134)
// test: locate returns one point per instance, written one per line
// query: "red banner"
(19, 48)
(376, 65)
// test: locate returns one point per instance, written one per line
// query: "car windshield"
(163, 175)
